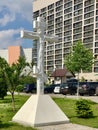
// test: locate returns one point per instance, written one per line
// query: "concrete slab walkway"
(68, 126)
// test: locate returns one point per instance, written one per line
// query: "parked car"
(57, 89)
(67, 88)
(64, 89)
(88, 88)
(29, 88)
(50, 89)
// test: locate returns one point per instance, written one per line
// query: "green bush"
(19, 88)
(83, 109)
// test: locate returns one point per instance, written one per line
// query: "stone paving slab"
(68, 126)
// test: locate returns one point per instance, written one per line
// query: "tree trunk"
(78, 87)
(13, 102)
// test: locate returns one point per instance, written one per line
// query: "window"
(50, 27)
(78, 36)
(96, 31)
(68, 10)
(89, 15)
(77, 1)
(68, 33)
(90, 8)
(97, 4)
(58, 25)
(59, 2)
(59, 30)
(68, 38)
(59, 8)
(96, 44)
(96, 18)
(59, 14)
(50, 12)
(89, 27)
(88, 2)
(68, 22)
(59, 19)
(58, 46)
(77, 18)
(68, 4)
(96, 50)
(68, 27)
(76, 7)
(51, 6)
(51, 17)
(78, 12)
(68, 16)
(43, 10)
(88, 21)
(88, 33)
(95, 69)
(65, 1)
(96, 25)
(96, 12)
(77, 25)
(86, 40)
(77, 30)
(96, 38)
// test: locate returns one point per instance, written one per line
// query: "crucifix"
(39, 26)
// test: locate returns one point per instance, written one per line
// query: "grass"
(67, 106)
(6, 113)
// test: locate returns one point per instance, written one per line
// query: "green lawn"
(67, 105)
(6, 113)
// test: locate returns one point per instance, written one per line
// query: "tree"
(12, 74)
(27, 80)
(3, 86)
(80, 58)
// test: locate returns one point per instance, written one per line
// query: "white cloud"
(7, 18)
(7, 38)
(23, 7)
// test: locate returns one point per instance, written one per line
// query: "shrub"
(83, 109)
(19, 88)
(3, 91)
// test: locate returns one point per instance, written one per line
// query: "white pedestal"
(40, 110)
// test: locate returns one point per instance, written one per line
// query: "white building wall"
(28, 54)
(4, 54)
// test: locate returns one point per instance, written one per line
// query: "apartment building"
(11, 55)
(71, 20)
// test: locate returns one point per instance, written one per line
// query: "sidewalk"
(68, 126)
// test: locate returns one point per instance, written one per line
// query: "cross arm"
(29, 34)
(51, 38)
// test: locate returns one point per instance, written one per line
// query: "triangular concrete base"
(40, 110)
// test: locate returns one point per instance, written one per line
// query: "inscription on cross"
(39, 26)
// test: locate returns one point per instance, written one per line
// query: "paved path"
(68, 126)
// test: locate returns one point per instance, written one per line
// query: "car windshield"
(63, 85)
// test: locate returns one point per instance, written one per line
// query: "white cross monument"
(39, 109)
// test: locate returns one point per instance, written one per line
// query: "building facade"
(71, 20)
(11, 55)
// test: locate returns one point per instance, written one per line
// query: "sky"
(15, 15)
